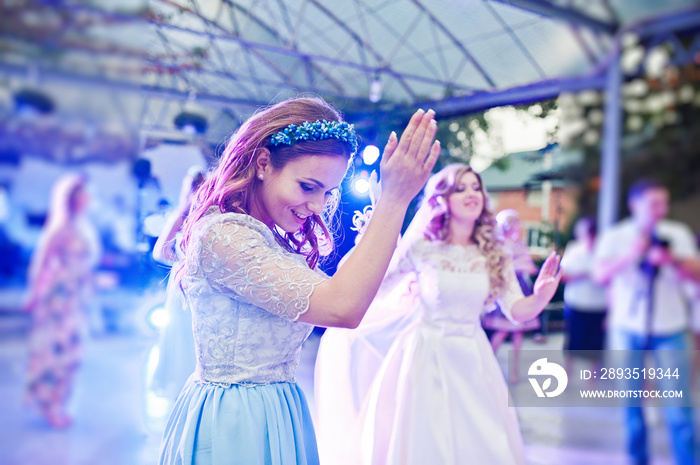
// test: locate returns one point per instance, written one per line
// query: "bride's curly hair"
(231, 185)
(439, 187)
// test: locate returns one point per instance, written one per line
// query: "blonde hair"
(63, 212)
(439, 187)
(64, 198)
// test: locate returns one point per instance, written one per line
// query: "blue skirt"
(212, 424)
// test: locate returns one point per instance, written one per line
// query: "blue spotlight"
(361, 185)
(370, 154)
(157, 317)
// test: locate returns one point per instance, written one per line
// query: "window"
(534, 198)
(539, 237)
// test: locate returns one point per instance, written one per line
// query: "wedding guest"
(252, 242)
(61, 283)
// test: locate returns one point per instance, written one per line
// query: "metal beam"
(216, 101)
(584, 46)
(514, 96)
(569, 15)
(514, 37)
(481, 101)
(364, 45)
(597, 80)
(609, 193)
(246, 51)
(293, 44)
(268, 47)
(179, 70)
(680, 21)
(457, 43)
(317, 58)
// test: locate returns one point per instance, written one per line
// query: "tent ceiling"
(139, 62)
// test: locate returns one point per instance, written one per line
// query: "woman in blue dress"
(252, 241)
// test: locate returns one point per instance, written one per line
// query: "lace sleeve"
(240, 258)
(511, 294)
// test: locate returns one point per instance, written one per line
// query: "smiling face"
(466, 203)
(287, 196)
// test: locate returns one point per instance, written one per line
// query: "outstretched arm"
(406, 165)
(545, 286)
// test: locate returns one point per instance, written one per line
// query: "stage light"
(361, 185)
(30, 103)
(375, 90)
(370, 154)
(156, 406)
(191, 123)
(157, 317)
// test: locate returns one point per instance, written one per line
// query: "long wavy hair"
(439, 187)
(63, 211)
(64, 199)
(232, 184)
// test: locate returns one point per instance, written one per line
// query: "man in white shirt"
(646, 260)
(585, 304)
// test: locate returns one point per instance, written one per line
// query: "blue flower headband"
(317, 130)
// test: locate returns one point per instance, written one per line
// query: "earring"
(260, 176)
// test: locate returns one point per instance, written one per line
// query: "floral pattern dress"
(61, 290)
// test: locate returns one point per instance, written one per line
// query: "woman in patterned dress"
(60, 288)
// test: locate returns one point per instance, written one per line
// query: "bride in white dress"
(418, 382)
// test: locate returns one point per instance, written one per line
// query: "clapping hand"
(407, 163)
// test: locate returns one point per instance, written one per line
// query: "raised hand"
(407, 163)
(659, 256)
(548, 279)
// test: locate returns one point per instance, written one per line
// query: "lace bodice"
(246, 293)
(453, 282)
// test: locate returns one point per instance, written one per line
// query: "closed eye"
(306, 187)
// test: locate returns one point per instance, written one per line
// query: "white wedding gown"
(434, 395)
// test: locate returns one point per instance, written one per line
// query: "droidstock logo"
(542, 368)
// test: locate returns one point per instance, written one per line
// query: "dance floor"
(118, 422)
